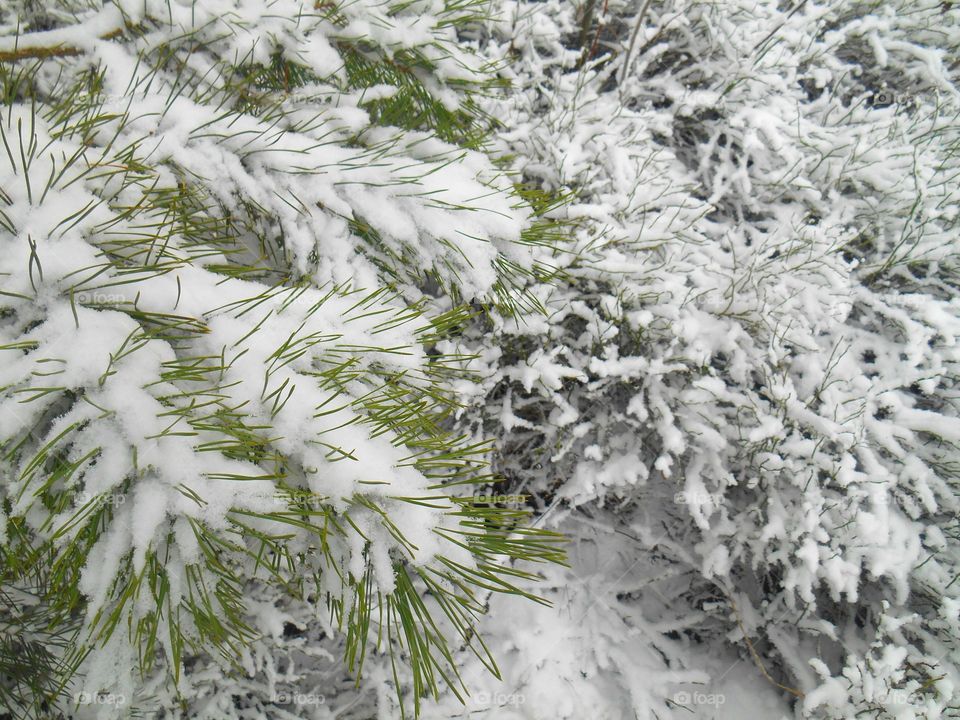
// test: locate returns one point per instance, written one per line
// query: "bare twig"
(633, 40)
(596, 35)
(753, 651)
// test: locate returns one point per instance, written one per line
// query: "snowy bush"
(219, 381)
(749, 370)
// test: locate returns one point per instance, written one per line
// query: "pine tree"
(235, 238)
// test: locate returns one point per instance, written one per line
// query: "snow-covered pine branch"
(217, 219)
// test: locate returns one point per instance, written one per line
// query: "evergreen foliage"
(217, 219)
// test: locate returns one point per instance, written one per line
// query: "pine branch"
(106, 24)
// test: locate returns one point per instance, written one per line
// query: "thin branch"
(753, 651)
(596, 36)
(633, 41)
(63, 42)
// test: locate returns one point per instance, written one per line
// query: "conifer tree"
(233, 236)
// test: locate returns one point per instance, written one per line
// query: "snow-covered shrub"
(749, 367)
(220, 388)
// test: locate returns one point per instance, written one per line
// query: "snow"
(79, 35)
(739, 404)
